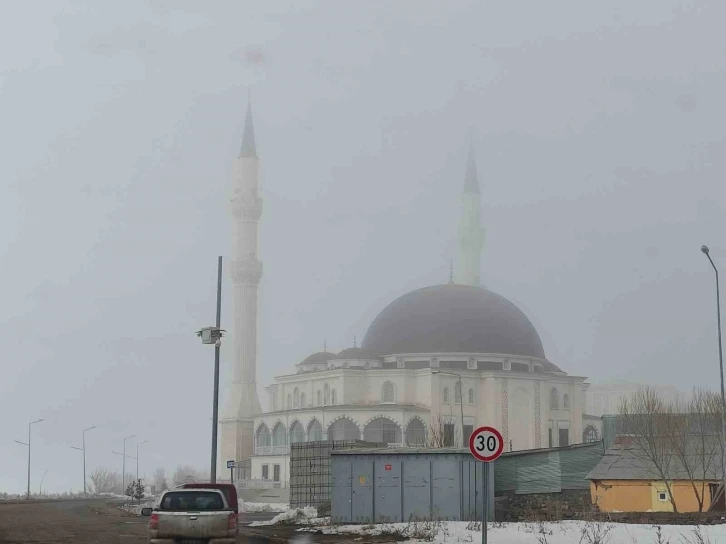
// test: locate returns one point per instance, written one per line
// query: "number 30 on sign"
(486, 444)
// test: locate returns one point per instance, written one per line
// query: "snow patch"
(263, 507)
(295, 515)
(565, 532)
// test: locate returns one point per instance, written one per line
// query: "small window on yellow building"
(662, 496)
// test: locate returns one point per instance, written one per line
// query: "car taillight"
(154, 522)
(232, 521)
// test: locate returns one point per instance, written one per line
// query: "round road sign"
(486, 444)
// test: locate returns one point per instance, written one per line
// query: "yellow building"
(625, 480)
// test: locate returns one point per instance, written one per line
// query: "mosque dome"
(452, 319)
(319, 357)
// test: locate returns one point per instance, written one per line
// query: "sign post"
(486, 445)
(231, 466)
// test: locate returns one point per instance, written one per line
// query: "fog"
(598, 130)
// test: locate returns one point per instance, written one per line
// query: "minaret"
(237, 427)
(471, 233)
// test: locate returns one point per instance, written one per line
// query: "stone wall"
(571, 504)
(576, 504)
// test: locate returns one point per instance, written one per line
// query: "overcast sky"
(599, 137)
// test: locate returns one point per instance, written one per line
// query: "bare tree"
(183, 472)
(160, 480)
(442, 433)
(694, 435)
(104, 480)
(647, 420)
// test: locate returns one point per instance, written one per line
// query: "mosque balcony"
(246, 207)
(272, 450)
(246, 272)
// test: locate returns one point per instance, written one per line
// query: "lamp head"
(704, 249)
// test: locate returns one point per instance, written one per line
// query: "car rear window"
(192, 500)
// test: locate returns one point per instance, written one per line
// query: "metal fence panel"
(446, 489)
(576, 464)
(416, 489)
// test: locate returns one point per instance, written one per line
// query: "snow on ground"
(566, 532)
(296, 515)
(263, 507)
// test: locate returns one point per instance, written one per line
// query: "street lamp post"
(213, 335)
(123, 474)
(705, 250)
(83, 449)
(28, 445)
(461, 400)
(137, 457)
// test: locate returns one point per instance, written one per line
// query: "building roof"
(625, 460)
(453, 319)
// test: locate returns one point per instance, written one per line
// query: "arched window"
(296, 398)
(326, 394)
(415, 433)
(263, 436)
(289, 401)
(279, 436)
(333, 397)
(457, 393)
(297, 433)
(320, 398)
(554, 399)
(446, 395)
(343, 429)
(382, 430)
(566, 401)
(315, 431)
(302, 401)
(590, 434)
(471, 396)
(388, 392)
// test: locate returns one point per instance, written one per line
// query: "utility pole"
(137, 457)
(83, 449)
(705, 250)
(213, 335)
(28, 445)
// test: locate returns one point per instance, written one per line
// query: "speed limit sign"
(486, 444)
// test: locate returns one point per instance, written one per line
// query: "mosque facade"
(435, 364)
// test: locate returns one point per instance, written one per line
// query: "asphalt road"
(83, 522)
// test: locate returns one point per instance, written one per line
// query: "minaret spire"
(243, 403)
(248, 149)
(471, 179)
(471, 233)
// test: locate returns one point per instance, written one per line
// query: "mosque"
(436, 363)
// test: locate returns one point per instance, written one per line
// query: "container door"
(387, 491)
(340, 509)
(362, 484)
(416, 489)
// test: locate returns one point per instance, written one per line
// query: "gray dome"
(317, 358)
(452, 318)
